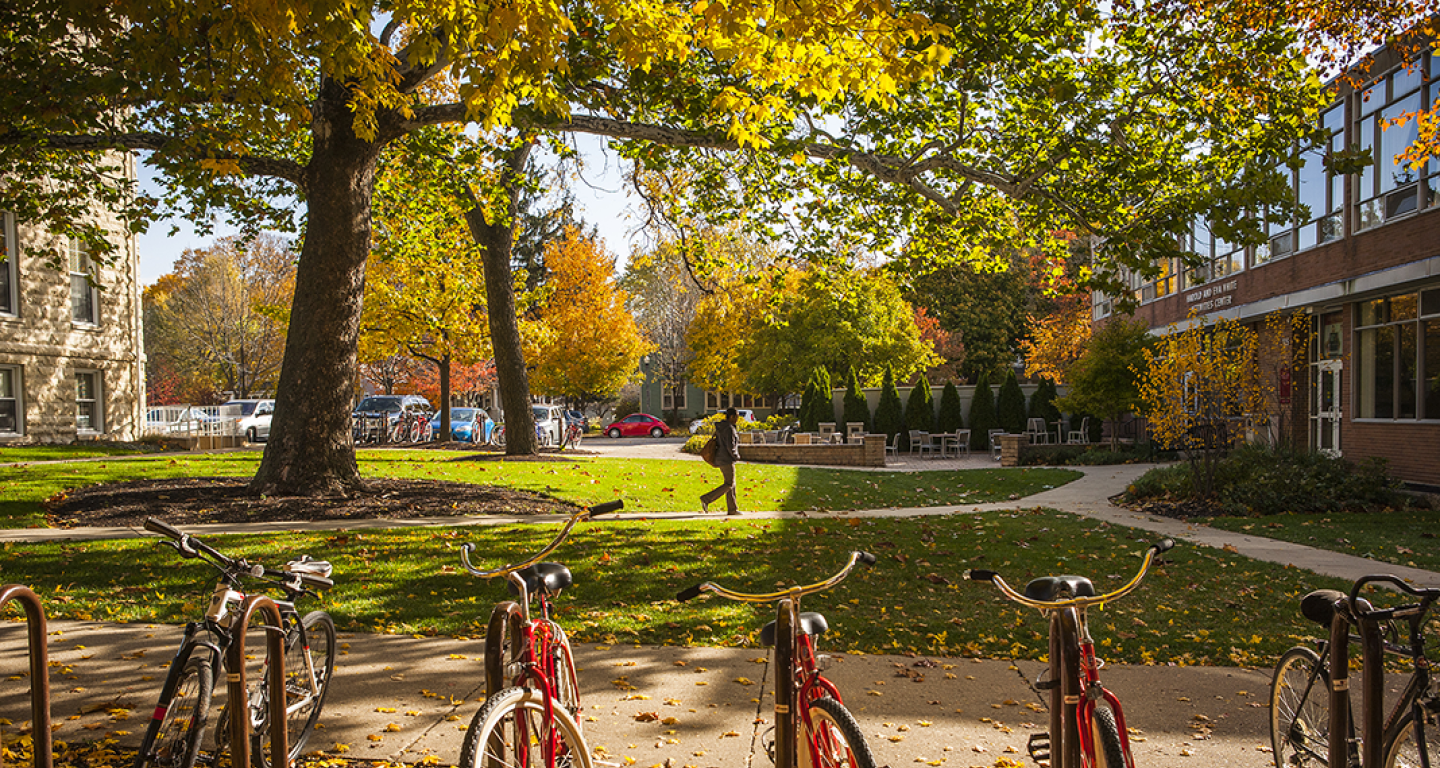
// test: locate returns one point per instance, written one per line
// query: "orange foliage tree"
(591, 346)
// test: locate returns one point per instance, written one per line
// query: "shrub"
(889, 416)
(950, 418)
(857, 411)
(1258, 480)
(1010, 405)
(982, 415)
(1042, 403)
(920, 408)
(625, 407)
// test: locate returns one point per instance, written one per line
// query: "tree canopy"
(939, 128)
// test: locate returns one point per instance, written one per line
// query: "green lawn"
(1205, 606)
(646, 485)
(1401, 537)
(18, 453)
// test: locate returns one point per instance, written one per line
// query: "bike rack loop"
(1372, 693)
(275, 666)
(40, 732)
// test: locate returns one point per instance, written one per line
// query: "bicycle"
(532, 698)
(1073, 675)
(806, 704)
(1310, 708)
(173, 735)
(573, 434)
(412, 428)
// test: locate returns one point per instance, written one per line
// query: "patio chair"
(1036, 431)
(995, 443)
(962, 442)
(920, 441)
(893, 446)
(1081, 435)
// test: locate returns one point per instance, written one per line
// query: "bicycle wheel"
(497, 436)
(1403, 751)
(835, 740)
(511, 731)
(1105, 737)
(1300, 710)
(172, 739)
(304, 695)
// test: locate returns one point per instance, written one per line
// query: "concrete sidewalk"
(403, 698)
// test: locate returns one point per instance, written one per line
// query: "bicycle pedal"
(1039, 747)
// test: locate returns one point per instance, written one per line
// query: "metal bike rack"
(785, 704)
(41, 734)
(508, 618)
(275, 664)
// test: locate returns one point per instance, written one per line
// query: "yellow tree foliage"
(724, 323)
(1201, 387)
(1057, 340)
(592, 345)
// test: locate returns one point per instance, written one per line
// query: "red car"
(637, 425)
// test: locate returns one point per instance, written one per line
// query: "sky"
(600, 194)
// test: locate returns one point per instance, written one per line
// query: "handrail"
(275, 666)
(41, 735)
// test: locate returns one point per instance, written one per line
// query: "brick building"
(1364, 265)
(71, 362)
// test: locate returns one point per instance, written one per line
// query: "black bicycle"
(172, 738)
(1311, 721)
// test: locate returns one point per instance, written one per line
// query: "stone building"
(71, 352)
(1363, 264)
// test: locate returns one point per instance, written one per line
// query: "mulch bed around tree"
(182, 501)
(1179, 509)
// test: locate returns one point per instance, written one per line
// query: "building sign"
(1212, 297)
(1284, 386)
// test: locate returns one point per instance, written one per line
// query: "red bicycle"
(531, 714)
(1087, 725)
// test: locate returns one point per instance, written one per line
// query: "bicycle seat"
(810, 623)
(1319, 606)
(319, 568)
(1051, 588)
(550, 577)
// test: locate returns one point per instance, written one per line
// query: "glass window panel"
(1402, 308)
(1334, 120)
(1395, 139)
(1366, 178)
(1430, 302)
(1431, 374)
(1374, 312)
(1372, 98)
(1405, 79)
(1406, 370)
(85, 386)
(1306, 236)
(1329, 228)
(7, 285)
(82, 299)
(7, 383)
(1384, 372)
(1312, 186)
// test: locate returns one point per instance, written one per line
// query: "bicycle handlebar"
(1164, 545)
(604, 508)
(1427, 596)
(188, 546)
(769, 597)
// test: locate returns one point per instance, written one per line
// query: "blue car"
(467, 425)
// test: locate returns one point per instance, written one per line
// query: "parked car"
(549, 424)
(467, 425)
(391, 406)
(254, 420)
(745, 415)
(637, 425)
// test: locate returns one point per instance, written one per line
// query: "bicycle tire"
(1300, 711)
(1404, 752)
(567, 685)
(1105, 739)
(514, 717)
(319, 634)
(184, 704)
(835, 740)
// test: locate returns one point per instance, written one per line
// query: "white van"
(253, 423)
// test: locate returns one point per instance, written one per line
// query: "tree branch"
(252, 165)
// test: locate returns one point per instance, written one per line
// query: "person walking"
(727, 439)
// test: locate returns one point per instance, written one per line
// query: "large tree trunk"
(496, 241)
(310, 450)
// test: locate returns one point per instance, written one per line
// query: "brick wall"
(871, 454)
(49, 348)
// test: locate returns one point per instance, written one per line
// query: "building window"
(673, 398)
(1391, 186)
(89, 409)
(11, 406)
(1320, 193)
(1148, 289)
(9, 261)
(84, 297)
(1217, 258)
(1397, 342)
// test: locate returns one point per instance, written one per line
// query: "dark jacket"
(727, 439)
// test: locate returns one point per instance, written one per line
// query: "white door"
(1325, 408)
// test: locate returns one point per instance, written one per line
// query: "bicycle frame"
(797, 676)
(1074, 670)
